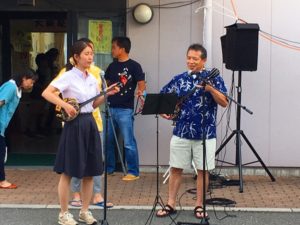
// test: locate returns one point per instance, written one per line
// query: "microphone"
(213, 73)
(192, 73)
(102, 74)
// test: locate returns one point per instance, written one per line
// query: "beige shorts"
(183, 151)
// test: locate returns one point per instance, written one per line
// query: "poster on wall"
(100, 32)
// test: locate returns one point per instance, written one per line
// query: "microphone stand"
(107, 115)
(204, 220)
(107, 119)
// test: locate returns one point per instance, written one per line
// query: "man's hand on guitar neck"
(219, 97)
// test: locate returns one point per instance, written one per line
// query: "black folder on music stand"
(160, 104)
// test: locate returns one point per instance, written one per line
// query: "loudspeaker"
(223, 45)
(240, 47)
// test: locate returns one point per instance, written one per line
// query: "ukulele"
(64, 116)
(212, 74)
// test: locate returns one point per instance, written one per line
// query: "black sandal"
(167, 210)
(196, 211)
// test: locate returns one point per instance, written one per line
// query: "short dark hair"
(40, 58)
(123, 42)
(26, 73)
(198, 47)
(52, 54)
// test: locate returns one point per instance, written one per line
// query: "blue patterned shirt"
(190, 121)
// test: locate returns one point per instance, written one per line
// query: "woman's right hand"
(70, 110)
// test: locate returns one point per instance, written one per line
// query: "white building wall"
(270, 92)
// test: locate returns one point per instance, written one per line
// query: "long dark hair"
(26, 73)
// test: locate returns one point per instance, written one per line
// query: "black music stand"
(156, 104)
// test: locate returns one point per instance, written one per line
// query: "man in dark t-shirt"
(130, 73)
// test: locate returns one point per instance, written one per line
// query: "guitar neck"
(97, 96)
(183, 98)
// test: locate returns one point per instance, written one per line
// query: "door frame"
(6, 16)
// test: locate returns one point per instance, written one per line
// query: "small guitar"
(63, 115)
(212, 74)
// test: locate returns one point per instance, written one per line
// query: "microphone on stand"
(102, 74)
(103, 83)
(192, 73)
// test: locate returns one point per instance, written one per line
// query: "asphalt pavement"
(26, 216)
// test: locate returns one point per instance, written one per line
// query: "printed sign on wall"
(100, 32)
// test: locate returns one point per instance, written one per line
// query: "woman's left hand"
(113, 89)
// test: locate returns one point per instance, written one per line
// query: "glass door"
(37, 42)
(1, 52)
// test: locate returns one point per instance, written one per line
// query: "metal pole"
(207, 31)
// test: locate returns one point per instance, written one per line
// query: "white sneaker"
(87, 217)
(66, 218)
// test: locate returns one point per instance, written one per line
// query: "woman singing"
(79, 152)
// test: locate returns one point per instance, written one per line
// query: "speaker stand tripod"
(240, 134)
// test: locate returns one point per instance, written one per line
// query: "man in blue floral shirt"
(202, 93)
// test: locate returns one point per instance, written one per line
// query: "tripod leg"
(150, 218)
(158, 201)
(258, 157)
(225, 142)
(239, 160)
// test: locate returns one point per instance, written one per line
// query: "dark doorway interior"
(37, 40)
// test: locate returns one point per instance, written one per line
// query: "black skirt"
(79, 151)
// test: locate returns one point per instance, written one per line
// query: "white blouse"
(75, 84)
